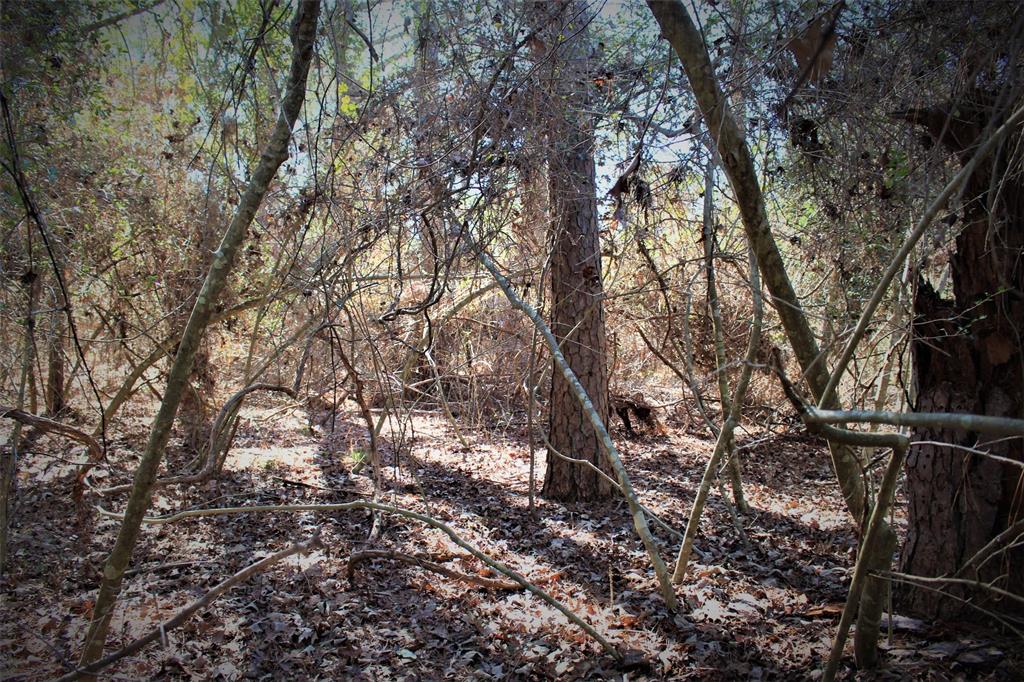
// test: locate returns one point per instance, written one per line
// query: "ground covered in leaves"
(763, 606)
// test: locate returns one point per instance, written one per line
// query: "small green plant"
(357, 455)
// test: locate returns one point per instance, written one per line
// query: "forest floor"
(764, 608)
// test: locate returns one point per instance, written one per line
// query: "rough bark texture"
(968, 358)
(577, 320)
(55, 398)
(577, 312)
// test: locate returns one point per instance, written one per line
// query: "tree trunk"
(54, 395)
(968, 358)
(275, 152)
(738, 163)
(10, 451)
(709, 239)
(577, 312)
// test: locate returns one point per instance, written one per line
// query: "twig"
(977, 584)
(369, 554)
(608, 647)
(992, 547)
(204, 601)
(32, 211)
(725, 434)
(312, 486)
(118, 18)
(165, 567)
(896, 264)
(215, 442)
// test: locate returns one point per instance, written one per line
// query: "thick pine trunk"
(577, 320)
(968, 358)
(577, 312)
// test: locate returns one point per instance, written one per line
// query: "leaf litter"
(767, 612)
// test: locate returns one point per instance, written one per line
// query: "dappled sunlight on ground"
(763, 609)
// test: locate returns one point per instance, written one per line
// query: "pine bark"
(968, 359)
(56, 401)
(577, 311)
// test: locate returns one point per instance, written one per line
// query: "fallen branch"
(608, 647)
(213, 449)
(166, 567)
(369, 554)
(204, 601)
(312, 486)
(51, 426)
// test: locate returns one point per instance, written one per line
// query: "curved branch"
(52, 426)
(233, 404)
(204, 601)
(498, 566)
(369, 554)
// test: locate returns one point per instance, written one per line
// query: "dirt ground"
(761, 607)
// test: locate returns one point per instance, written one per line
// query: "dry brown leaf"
(813, 49)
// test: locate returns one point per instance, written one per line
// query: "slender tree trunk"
(54, 395)
(721, 360)
(686, 40)
(10, 453)
(303, 33)
(196, 413)
(577, 311)
(968, 358)
(725, 435)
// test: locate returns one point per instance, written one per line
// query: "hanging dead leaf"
(813, 49)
